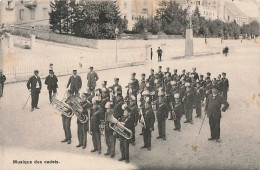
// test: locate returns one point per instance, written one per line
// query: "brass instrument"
(77, 108)
(142, 119)
(62, 107)
(118, 127)
(174, 114)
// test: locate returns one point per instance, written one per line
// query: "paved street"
(36, 135)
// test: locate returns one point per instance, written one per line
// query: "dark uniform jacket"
(116, 88)
(213, 106)
(118, 108)
(196, 76)
(51, 82)
(129, 122)
(174, 77)
(162, 111)
(198, 95)
(2, 79)
(225, 84)
(31, 84)
(188, 100)
(74, 82)
(135, 86)
(142, 85)
(151, 79)
(178, 109)
(134, 113)
(149, 118)
(96, 117)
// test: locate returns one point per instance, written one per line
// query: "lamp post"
(116, 32)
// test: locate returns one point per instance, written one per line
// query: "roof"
(234, 9)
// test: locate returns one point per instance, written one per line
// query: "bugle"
(61, 106)
(173, 112)
(77, 109)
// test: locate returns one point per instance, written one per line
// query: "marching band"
(104, 111)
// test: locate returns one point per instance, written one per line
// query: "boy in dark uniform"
(178, 109)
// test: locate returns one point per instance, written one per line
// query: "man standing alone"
(92, 79)
(34, 86)
(51, 82)
(213, 111)
(159, 52)
(2, 81)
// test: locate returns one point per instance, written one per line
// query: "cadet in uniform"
(128, 121)
(162, 115)
(213, 111)
(148, 127)
(135, 85)
(178, 110)
(175, 75)
(188, 103)
(225, 86)
(116, 87)
(195, 74)
(134, 114)
(198, 98)
(142, 84)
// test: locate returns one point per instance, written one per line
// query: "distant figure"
(225, 50)
(2, 81)
(92, 79)
(151, 54)
(34, 86)
(159, 52)
(51, 82)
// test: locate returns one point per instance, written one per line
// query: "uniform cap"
(194, 68)
(108, 105)
(176, 95)
(145, 93)
(167, 68)
(133, 74)
(224, 73)
(116, 79)
(173, 83)
(152, 70)
(104, 82)
(91, 67)
(187, 84)
(183, 70)
(36, 71)
(175, 70)
(208, 73)
(74, 70)
(160, 93)
(143, 75)
(201, 75)
(160, 66)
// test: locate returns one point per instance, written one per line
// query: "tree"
(57, 15)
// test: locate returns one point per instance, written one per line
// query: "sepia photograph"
(129, 84)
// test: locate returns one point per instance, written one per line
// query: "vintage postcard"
(129, 84)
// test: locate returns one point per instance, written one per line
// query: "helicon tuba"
(62, 107)
(77, 109)
(118, 127)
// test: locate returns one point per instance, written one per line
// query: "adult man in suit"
(75, 83)
(188, 103)
(149, 120)
(159, 52)
(213, 111)
(135, 85)
(34, 85)
(195, 74)
(116, 86)
(92, 78)
(2, 81)
(51, 82)
(225, 86)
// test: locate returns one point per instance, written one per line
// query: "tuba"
(77, 108)
(61, 106)
(118, 127)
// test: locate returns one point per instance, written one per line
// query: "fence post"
(32, 41)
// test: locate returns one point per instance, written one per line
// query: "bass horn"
(118, 127)
(61, 106)
(77, 108)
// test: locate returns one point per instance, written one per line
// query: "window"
(21, 14)
(32, 11)
(45, 12)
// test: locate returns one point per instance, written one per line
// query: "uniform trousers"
(35, 97)
(161, 127)
(188, 113)
(82, 133)
(96, 139)
(124, 148)
(147, 134)
(111, 143)
(225, 95)
(177, 123)
(66, 126)
(198, 108)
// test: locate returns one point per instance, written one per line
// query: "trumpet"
(62, 107)
(118, 127)
(142, 119)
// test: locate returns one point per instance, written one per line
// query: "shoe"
(83, 147)
(99, 152)
(127, 161)
(121, 159)
(112, 155)
(149, 148)
(179, 130)
(191, 122)
(170, 119)
(210, 138)
(175, 129)
(106, 154)
(78, 146)
(143, 147)
(186, 121)
(158, 137)
(133, 144)
(218, 140)
(37, 107)
(94, 150)
(65, 140)
(141, 134)
(32, 109)
(164, 138)
(69, 142)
